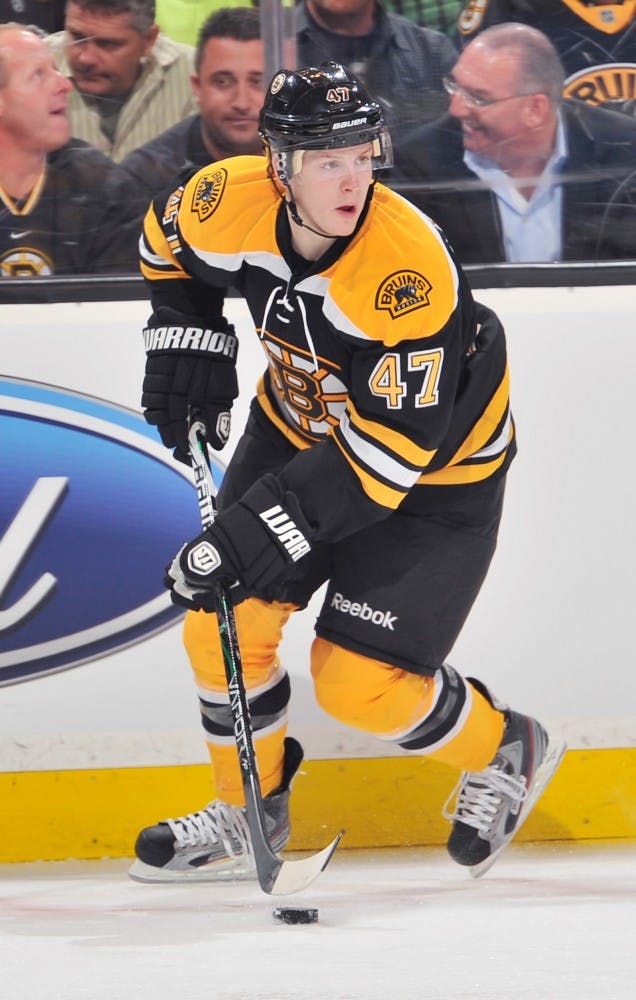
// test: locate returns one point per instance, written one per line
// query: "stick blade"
(293, 876)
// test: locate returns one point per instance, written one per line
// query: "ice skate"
(214, 843)
(491, 805)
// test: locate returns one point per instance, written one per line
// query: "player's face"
(229, 92)
(331, 189)
(104, 51)
(34, 99)
(494, 129)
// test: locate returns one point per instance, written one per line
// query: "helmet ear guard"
(279, 165)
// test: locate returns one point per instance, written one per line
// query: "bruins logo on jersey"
(402, 292)
(614, 83)
(471, 16)
(24, 262)
(610, 17)
(207, 193)
(313, 397)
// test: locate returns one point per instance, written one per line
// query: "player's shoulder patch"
(223, 201)
(403, 291)
(410, 283)
(208, 192)
(207, 188)
(423, 279)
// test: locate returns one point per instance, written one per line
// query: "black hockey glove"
(256, 541)
(189, 364)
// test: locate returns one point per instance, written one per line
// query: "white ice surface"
(547, 923)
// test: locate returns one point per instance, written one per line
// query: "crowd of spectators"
(513, 121)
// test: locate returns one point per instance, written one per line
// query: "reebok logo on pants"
(385, 619)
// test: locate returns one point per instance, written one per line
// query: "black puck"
(295, 915)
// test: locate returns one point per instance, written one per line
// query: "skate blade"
(545, 772)
(141, 872)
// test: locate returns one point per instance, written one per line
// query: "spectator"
(228, 86)
(65, 208)
(131, 82)
(438, 14)
(182, 20)
(515, 172)
(401, 64)
(596, 42)
(45, 14)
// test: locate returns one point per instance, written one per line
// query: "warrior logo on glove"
(203, 559)
(280, 523)
(223, 425)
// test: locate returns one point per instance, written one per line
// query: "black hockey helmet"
(320, 107)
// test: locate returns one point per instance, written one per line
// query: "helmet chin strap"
(293, 211)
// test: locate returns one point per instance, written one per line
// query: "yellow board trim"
(379, 802)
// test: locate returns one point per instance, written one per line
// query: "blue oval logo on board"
(92, 508)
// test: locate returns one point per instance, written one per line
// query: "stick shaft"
(275, 875)
(264, 857)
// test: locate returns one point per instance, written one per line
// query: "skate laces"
(218, 823)
(480, 797)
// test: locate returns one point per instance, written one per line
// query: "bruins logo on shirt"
(402, 292)
(609, 17)
(471, 16)
(612, 84)
(24, 262)
(207, 193)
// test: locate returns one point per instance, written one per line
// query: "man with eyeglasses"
(595, 39)
(515, 172)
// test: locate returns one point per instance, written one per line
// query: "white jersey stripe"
(373, 456)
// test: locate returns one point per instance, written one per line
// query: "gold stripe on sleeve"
(391, 439)
(485, 427)
(379, 492)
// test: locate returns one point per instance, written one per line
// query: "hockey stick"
(275, 876)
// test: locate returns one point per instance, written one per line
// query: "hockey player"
(596, 41)
(380, 436)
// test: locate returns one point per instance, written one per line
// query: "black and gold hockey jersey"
(381, 369)
(596, 42)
